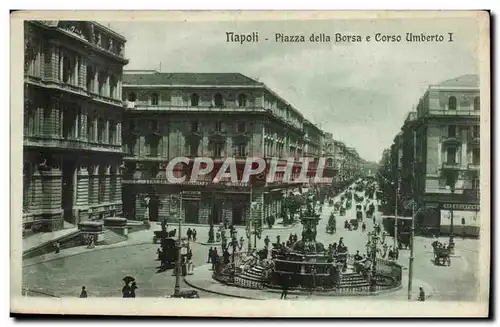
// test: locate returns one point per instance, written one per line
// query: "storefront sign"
(460, 206)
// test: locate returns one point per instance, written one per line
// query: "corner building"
(446, 125)
(217, 115)
(72, 148)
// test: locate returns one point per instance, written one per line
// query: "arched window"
(218, 100)
(132, 97)
(242, 100)
(154, 99)
(452, 103)
(329, 162)
(195, 99)
(477, 103)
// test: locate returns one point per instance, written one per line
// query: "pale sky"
(360, 92)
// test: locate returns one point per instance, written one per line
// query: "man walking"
(194, 235)
(189, 234)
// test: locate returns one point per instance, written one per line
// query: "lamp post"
(177, 288)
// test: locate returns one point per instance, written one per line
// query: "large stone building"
(72, 123)
(446, 126)
(215, 115)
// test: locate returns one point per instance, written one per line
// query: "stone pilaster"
(83, 124)
(118, 186)
(82, 187)
(107, 185)
(140, 209)
(94, 186)
(142, 146)
(204, 212)
(37, 187)
(83, 72)
(119, 133)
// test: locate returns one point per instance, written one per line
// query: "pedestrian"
(266, 241)
(83, 294)
(57, 247)
(189, 234)
(126, 290)
(242, 241)
(215, 257)
(290, 238)
(278, 240)
(194, 235)
(133, 287)
(210, 253)
(421, 295)
(284, 287)
(226, 256)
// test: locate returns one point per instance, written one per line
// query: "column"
(106, 86)
(106, 135)
(118, 187)
(83, 72)
(83, 124)
(107, 184)
(51, 199)
(61, 120)
(140, 209)
(76, 68)
(142, 146)
(95, 128)
(37, 190)
(119, 133)
(61, 66)
(96, 81)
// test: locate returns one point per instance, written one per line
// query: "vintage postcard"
(251, 164)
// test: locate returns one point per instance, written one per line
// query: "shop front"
(465, 219)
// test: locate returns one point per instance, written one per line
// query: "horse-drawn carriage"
(168, 252)
(160, 234)
(441, 254)
(351, 224)
(404, 240)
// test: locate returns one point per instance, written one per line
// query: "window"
(112, 132)
(218, 100)
(451, 156)
(218, 149)
(329, 162)
(195, 99)
(101, 129)
(452, 131)
(193, 148)
(90, 79)
(69, 120)
(66, 74)
(241, 127)
(154, 99)
(475, 131)
(241, 150)
(475, 184)
(132, 97)
(90, 129)
(218, 126)
(131, 142)
(477, 103)
(452, 103)
(153, 143)
(242, 100)
(476, 156)
(194, 126)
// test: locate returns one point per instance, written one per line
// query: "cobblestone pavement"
(101, 269)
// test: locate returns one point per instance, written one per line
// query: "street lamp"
(177, 288)
(450, 176)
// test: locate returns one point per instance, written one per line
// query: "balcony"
(70, 144)
(466, 113)
(450, 140)
(473, 166)
(451, 165)
(138, 106)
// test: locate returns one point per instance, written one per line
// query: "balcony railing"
(164, 107)
(451, 165)
(474, 113)
(473, 166)
(50, 142)
(450, 140)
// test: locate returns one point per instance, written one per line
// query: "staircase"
(353, 283)
(252, 278)
(110, 237)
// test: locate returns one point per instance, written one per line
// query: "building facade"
(170, 115)
(72, 149)
(446, 143)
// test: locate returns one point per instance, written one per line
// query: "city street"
(102, 270)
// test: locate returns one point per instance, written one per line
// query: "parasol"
(128, 279)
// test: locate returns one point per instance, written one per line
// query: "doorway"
(68, 189)
(191, 211)
(216, 213)
(154, 205)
